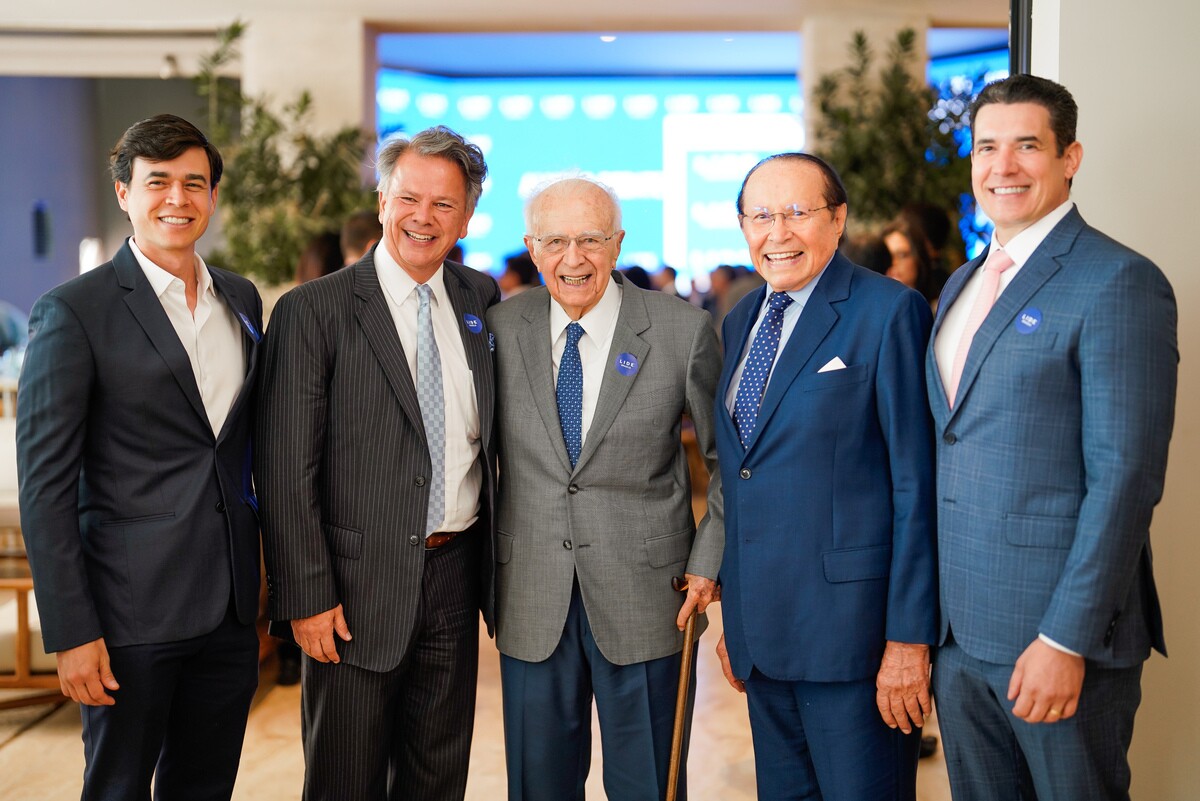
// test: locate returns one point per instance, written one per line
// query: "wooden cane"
(681, 698)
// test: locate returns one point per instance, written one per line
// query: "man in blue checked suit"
(1052, 382)
(829, 584)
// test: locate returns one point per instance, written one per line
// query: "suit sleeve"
(907, 426)
(52, 412)
(703, 373)
(1128, 362)
(289, 448)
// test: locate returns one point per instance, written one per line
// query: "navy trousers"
(825, 741)
(179, 716)
(548, 720)
(991, 755)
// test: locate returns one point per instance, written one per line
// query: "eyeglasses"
(588, 243)
(793, 216)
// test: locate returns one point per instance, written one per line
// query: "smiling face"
(169, 204)
(424, 212)
(1016, 171)
(569, 210)
(790, 254)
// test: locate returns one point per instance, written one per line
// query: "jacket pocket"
(669, 548)
(344, 542)
(504, 544)
(853, 374)
(129, 521)
(857, 564)
(1039, 531)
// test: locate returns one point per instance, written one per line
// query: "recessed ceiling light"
(607, 39)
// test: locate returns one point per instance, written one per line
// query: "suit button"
(419, 481)
(573, 489)
(567, 544)
(745, 473)
(949, 438)
(414, 540)
(221, 507)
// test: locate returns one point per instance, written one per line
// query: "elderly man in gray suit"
(594, 513)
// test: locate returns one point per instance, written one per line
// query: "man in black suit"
(133, 450)
(374, 460)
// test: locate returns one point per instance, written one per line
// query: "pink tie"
(997, 262)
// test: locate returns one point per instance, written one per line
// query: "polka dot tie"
(570, 393)
(758, 366)
(433, 409)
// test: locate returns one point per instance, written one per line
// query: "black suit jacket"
(342, 459)
(139, 522)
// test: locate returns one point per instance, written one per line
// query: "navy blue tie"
(758, 366)
(570, 392)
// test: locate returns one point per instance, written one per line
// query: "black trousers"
(404, 733)
(179, 716)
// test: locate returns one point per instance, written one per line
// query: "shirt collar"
(1022, 246)
(161, 280)
(599, 318)
(799, 296)
(399, 285)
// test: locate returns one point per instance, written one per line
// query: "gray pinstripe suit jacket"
(622, 519)
(341, 457)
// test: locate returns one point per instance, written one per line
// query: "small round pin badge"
(1028, 320)
(473, 323)
(626, 364)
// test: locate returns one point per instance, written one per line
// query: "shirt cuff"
(1057, 646)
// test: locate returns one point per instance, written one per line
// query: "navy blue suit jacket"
(138, 520)
(1053, 458)
(829, 546)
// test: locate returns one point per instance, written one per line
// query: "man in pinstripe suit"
(1052, 381)
(374, 469)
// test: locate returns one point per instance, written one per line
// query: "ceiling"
(630, 53)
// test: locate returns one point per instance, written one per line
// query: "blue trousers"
(991, 755)
(548, 720)
(825, 741)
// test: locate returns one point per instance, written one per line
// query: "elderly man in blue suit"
(1052, 381)
(825, 443)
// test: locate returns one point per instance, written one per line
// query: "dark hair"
(161, 138)
(867, 251)
(919, 246)
(321, 257)
(360, 229)
(521, 265)
(834, 194)
(1054, 97)
(932, 220)
(441, 142)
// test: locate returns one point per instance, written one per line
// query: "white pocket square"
(835, 363)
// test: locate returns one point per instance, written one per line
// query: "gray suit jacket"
(341, 457)
(622, 519)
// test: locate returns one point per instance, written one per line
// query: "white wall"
(1133, 71)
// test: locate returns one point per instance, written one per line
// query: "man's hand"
(84, 674)
(701, 592)
(723, 655)
(314, 634)
(1045, 684)
(902, 685)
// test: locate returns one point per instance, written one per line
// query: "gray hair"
(575, 182)
(441, 142)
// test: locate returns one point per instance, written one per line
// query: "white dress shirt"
(791, 316)
(945, 344)
(598, 325)
(463, 473)
(212, 336)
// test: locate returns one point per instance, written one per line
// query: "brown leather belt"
(437, 539)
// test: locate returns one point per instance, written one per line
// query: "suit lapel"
(953, 289)
(632, 321)
(375, 319)
(470, 314)
(1033, 274)
(251, 337)
(739, 323)
(148, 311)
(816, 320)
(534, 342)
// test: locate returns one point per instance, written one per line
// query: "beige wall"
(1133, 73)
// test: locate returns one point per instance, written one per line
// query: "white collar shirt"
(599, 325)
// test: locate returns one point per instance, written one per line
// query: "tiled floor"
(41, 756)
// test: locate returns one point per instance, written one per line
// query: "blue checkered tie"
(758, 366)
(433, 409)
(570, 393)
